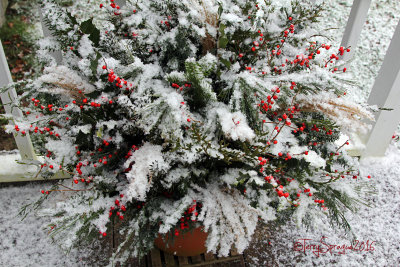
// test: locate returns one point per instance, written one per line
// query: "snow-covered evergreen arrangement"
(170, 115)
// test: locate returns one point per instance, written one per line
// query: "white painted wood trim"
(355, 23)
(13, 171)
(24, 143)
(385, 94)
(47, 33)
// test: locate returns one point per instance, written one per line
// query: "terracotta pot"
(187, 244)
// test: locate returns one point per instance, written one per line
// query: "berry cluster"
(118, 208)
(189, 216)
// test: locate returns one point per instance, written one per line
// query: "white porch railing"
(386, 95)
(385, 92)
(24, 143)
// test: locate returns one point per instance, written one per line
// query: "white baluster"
(24, 143)
(385, 94)
(355, 23)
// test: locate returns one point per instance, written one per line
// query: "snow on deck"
(378, 225)
(25, 243)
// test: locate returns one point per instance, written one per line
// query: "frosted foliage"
(315, 160)
(229, 219)
(74, 207)
(85, 47)
(234, 125)
(230, 177)
(147, 159)
(45, 45)
(64, 149)
(177, 114)
(57, 19)
(175, 176)
(171, 212)
(202, 10)
(84, 66)
(208, 62)
(199, 70)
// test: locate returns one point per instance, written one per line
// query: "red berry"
(290, 18)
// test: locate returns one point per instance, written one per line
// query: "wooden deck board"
(162, 259)
(156, 258)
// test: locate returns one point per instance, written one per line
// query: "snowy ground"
(26, 243)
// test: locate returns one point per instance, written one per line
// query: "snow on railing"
(385, 93)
